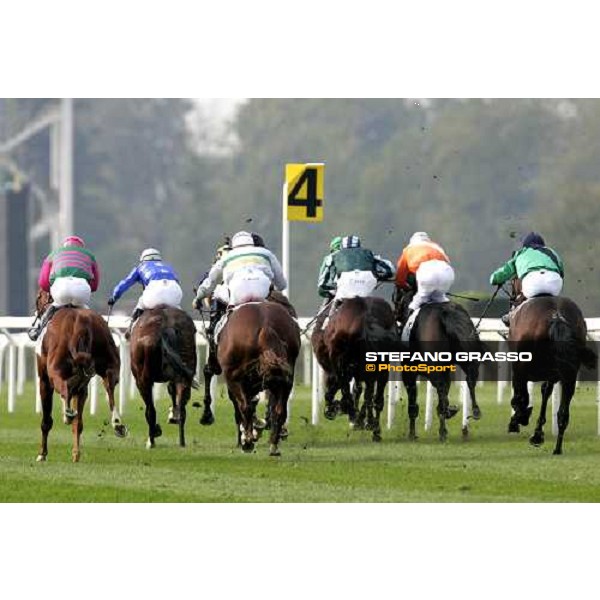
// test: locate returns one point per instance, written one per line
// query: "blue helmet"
(533, 239)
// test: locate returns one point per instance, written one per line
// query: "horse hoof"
(413, 437)
(75, 458)
(523, 418)
(274, 451)
(451, 411)
(465, 433)
(157, 431)
(121, 430)
(536, 440)
(259, 424)
(330, 415)
(40, 458)
(150, 444)
(173, 421)
(443, 437)
(284, 433)
(207, 419)
(557, 452)
(376, 437)
(476, 413)
(248, 448)
(513, 427)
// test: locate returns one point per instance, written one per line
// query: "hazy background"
(476, 174)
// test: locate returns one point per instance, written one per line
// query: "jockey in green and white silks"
(326, 287)
(247, 271)
(539, 268)
(353, 271)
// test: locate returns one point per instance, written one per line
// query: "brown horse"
(359, 325)
(213, 369)
(554, 331)
(440, 327)
(257, 351)
(77, 345)
(163, 350)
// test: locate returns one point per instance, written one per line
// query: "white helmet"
(242, 238)
(150, 254)
(418, 237)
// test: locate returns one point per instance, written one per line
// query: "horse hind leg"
(410, 383)
(377, 402)
(472, 375)
(537, 439)
(520, 406)
(46, 394)
(209, 371)
(154, 429)
(173, 417)
(77, 424)
(278, 409)
(444, 410)
(183, 393)
(567, 391)
(110, 381)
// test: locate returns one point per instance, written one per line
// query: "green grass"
(327, 463)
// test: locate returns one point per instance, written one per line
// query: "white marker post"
(285, 238)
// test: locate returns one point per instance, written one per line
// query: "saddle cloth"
(406, 331)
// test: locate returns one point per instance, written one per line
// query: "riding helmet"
(533, 239)
(73, 240)
(242, 238)
(150, 254)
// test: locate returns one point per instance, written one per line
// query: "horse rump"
(171, 356)
(80, 343)
(570, 350)
(273, 363)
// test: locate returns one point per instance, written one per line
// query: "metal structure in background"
(56, 220)
(54, 217)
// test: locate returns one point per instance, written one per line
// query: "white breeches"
(353, 284)
(541, 282)
(248, 285)
(162, 291)
(434, 280)
(71, 290)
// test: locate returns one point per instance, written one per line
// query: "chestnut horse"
(257, 352)
(76, 346)
(212, 367)
(163, 349)
(554, 331)
(359, 325)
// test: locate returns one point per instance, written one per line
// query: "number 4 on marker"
(311, 202)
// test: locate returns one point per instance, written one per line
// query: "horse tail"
(460, 329)
(570, 351)
(80, 344)
(170, 351)
(273, 363)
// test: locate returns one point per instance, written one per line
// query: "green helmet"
(336, 244)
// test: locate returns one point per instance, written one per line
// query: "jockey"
(70, 274)
(326, 284)
(160, 283)
(248, 272)
(539, 268)
(425, 268)
(353, 272)
(220, 296)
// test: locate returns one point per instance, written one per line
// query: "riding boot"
(334, 306)
(137, 313)
(506, 319)
(34, 332)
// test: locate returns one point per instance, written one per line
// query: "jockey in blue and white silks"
(247, 270)
(159, 280)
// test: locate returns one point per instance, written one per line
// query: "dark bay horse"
(554, 331)
(257, 352)
(163, 350)
(441, 327)
(77, 345)
(358, 326)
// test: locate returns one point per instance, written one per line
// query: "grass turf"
(326, 463)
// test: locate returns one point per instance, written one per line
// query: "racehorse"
(440, 327)
(257, 351)
(212, 368)
(554, 331)
(76, 346)
(163, 349)
(359, 325)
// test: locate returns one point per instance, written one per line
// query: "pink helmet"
(73, 240)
